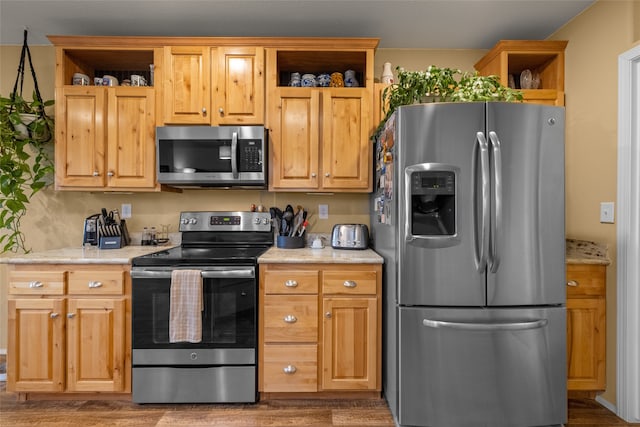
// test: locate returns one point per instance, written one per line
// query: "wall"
(596, 38)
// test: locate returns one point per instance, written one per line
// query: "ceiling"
(433, 24)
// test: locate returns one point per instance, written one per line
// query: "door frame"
(628, 237)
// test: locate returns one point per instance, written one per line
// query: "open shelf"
(317, 62)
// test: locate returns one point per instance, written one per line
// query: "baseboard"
(610, 406)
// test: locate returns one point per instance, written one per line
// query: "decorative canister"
(323, 79)
(350, 79)
(295, 80)
(387, 74)
(309, 80)
(336, 80)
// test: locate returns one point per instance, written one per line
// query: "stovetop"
(178, 256)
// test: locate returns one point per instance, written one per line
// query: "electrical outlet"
(125, 211)
(323, 211)
(606, 212)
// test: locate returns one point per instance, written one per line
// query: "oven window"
(228, 318)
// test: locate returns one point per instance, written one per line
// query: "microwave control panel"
(250, 156)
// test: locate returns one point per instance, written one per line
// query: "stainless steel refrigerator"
(468, 212)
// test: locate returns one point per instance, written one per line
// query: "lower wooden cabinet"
(68, 329)
(320, 328)
(586, 326)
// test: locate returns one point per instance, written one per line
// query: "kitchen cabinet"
(320, 329)
(105, 138)
(69, 329)
(586, 327)
(544, 57)
(213, 85)
(319, 136)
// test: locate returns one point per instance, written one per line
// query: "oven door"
(228, 319)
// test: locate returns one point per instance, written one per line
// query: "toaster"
(350, 236)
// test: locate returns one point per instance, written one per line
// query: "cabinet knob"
(96, 173)
(349, 284)
(290, 318)
(221, 110)
(313, 174)
(289, 369)
(94, 284)
(327, 315)
(572, 283)
(110, 173)
(327, 174)
(204, 111)
(291, 284)
(54, 315)
(35, 284)
(71, 315)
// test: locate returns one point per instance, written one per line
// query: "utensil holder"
(287, 242)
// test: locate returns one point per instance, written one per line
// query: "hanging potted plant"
(26, 133)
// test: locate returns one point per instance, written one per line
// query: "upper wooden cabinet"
(320, 135)
(544, 57)
(213, 85)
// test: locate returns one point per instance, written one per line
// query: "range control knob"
(265, 221)
(184, 221)
(256, 221)
(193, 220)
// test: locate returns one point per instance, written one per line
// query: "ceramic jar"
(336, 80)
(295, 80)
(323, 80)
(387, 74)
(309, 80)
(350, 79)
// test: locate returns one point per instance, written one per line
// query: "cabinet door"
(131, 137)
(346, 155)
(80, 137)
(294, 139)
(239, 85)
(187, 91)
(36, 345)
(586, 325)
(96, 344)
(350, 344)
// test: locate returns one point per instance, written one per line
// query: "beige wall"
(596, 38)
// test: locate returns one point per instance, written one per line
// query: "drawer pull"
(290, 318)
(95, 284)
(71, 315)
(350, 284)
(54, 315)
(289, 369)
(573, 283)
(291, 283)
(36, 284)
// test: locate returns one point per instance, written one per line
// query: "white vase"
(387, 74)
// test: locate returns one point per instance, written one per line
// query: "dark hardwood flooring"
(274, 413)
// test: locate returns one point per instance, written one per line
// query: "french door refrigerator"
(468, 212)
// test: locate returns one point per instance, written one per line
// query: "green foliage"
(24, 164)
(442, 85)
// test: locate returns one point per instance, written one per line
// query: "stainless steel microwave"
(212, 156)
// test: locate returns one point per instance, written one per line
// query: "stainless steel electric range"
(225, 247)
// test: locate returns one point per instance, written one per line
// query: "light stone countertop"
(586, 252)
(326, 255)
(82, 255)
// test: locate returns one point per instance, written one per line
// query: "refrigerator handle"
(511, 326)
(496, 220)
(481, 241)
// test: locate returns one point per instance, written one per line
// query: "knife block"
(290, 242)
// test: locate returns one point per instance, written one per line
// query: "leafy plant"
(25, 164)
(442, 85)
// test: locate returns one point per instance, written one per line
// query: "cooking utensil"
(297, 222)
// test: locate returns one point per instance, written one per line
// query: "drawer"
(586, 280)
(290, 318)
(36, 282)
(96, 283)
(291, 282)
(290, 368)
(349, 282)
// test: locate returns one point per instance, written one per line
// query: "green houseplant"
(25, 163)
(437, 84)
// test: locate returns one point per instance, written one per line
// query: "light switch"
(606, 212)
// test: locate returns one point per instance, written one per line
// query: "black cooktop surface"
(218, 255)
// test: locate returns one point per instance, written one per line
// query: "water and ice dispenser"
(431, 205)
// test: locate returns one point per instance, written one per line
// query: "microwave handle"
(234, 154)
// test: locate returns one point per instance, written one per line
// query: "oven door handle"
(206, 274)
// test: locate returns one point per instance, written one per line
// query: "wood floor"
(277, 413)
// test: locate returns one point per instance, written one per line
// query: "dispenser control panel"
(433, 183)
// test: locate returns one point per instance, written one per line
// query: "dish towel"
(186, 305)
